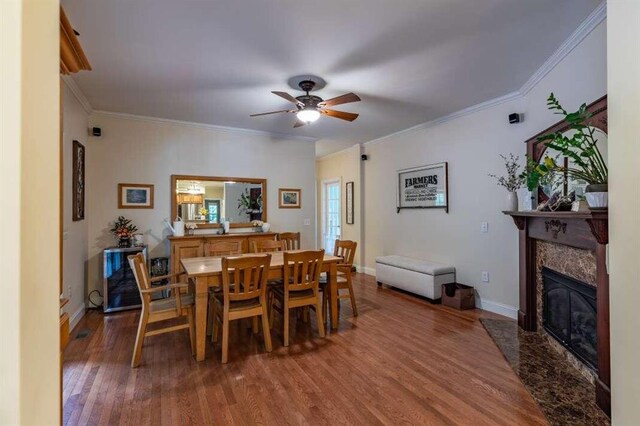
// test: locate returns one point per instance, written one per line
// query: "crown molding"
(144, 118)
(71, 84)
(588, 25)
(449, 117)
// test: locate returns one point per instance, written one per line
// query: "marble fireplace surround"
(576, 263)
(572, 243)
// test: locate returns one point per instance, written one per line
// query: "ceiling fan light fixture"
(308, 115)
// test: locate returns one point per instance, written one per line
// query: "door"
(331, 217)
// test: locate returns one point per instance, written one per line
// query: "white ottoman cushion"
(422, 277)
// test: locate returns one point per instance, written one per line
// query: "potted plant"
(582, 148)
(513, 181)
(123, 230)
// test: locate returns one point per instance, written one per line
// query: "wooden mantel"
(586, 230)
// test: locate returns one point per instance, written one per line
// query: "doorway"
(331, 219)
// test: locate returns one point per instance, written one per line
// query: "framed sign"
(423, 187)
(78, 181)
(349, 200)
(289, 198)
(135, 196)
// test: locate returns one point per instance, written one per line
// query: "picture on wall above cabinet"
(135, 196)
(424, 187)
(350, 219)
(289, 198)
(78, 181)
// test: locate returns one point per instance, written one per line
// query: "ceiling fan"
(309, 107)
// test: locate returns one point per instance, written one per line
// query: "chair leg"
(192, 329)
(352, 296)
(142, 329)
(285, 313)
(319, 317)
(225, 339)
(210, 318)
(266, 328)
(325, 305)
(215, 327)
(254, 325)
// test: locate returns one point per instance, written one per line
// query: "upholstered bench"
(422, 277)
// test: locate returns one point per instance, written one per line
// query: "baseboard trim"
(497, 308)
(76, 317)
(369, 271)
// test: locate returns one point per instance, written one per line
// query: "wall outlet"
(485, 277)
(307, 222)
(484, 227)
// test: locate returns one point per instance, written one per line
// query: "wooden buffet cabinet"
(194, 245)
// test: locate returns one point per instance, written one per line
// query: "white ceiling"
(410, 61)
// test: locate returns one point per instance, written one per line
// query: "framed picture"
(135, 196)
(289, 198)
(350, 219)
(78, 179)
(423, 187)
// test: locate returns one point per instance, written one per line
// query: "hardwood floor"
(402, 360)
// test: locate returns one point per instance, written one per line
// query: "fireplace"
(570, 315)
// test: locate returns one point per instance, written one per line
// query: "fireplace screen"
(569, 314)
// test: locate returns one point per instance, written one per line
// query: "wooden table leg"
(333, 286)
(202, 299)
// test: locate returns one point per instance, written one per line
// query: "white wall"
(145, 151)
(471, 145)
(624, 193)
(29, 170)
(75, 127)
(346, 166)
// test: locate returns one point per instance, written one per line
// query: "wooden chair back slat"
(290, 239)
(346, 250)
(223, 248)
(267, 246)
(138, 266)
(302, 270)
(245, 278)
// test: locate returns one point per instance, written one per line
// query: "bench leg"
(379, 283)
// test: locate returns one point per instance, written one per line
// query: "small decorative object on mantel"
(512, 181)
(135, 196)
(424, 187)
(289, 198)
(190, 227)
(583, 160)
(257, 225)
(123, 230)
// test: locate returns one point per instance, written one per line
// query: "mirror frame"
(536, 148)
(174, 204)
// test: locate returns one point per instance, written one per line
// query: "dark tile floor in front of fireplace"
(564, 395)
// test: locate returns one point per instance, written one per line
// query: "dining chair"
(346, 250)
(177, 305)
(267, 246)
(300, 287)
(216, 249)
(244, 286)
(290, 239)
(222, 248)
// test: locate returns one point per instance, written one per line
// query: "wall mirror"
(208, 200)
(538, 151)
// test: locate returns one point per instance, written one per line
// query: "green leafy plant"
(247, 204)
(536, 174)
(123, 228)
(582, 148)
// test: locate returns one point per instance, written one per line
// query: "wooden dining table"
(206, 272)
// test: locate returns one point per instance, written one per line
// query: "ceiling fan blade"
(272, 112)
(299, 123)
(344, 99)
(349, 116)
(287, 96)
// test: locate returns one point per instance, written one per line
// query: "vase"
(124, 242)
(597, 196)
(266, 227)
(511, 202)
(226, 225)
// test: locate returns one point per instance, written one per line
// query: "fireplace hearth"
(570, 315)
